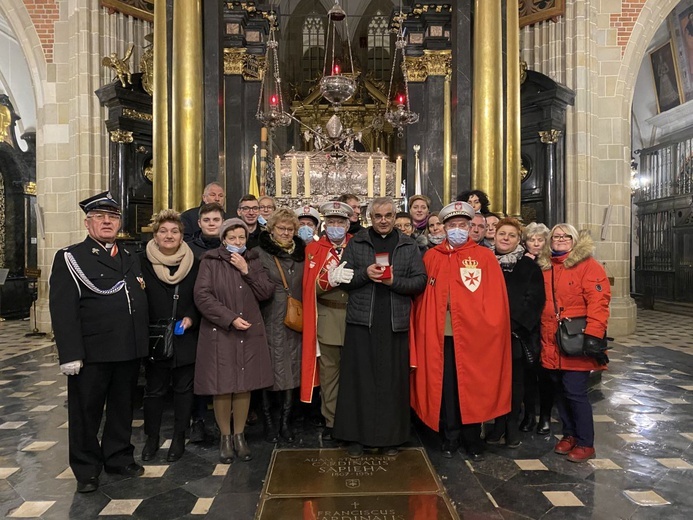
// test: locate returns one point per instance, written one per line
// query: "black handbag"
(161, 334)
(570, 336)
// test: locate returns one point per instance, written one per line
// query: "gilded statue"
(120, 65)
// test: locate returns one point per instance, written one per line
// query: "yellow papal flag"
(253, 188)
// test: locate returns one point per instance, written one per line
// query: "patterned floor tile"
(646, 498)
(12, 425)
(688, 436)
(43, 408)
(32, 509)
(675, 400)
(202, 506)
(220, 470)
(154, 471)
(675, 463)
(120, 507)
(20, 395)
(67, 474)
(604, 464)
(563, 498)
(603, 419)
(39, 446)
(45, 383)
(631, 437)
(531, 465)
(6, 472)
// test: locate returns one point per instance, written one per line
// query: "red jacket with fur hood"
(582, 289)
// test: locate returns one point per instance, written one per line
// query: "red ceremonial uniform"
(321, 256)
(470, 279)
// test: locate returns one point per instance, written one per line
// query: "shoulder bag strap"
(553, 293)
(175, 303)
(281, 273)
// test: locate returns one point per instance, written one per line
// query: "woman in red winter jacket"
(579, 286)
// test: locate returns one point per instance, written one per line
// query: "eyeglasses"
(403, 226)
(283, 229)
(100, 217)
(387, 216)
(265, 208)
(248, 209)
(561, 238)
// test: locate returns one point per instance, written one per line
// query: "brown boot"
(226, 449)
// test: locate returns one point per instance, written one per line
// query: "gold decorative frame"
(665, 66)
(535, 11)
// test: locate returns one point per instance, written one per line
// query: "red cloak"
(470, 278)
(314, 272)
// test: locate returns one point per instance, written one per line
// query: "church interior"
(560, 110)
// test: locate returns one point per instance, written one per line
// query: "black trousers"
(538, 384)
(159, 377)
(451, 425)
(114, 385)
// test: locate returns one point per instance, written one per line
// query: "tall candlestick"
(294, 177)
(370, 177)
(306, 176)
(278, 175)
(398, 177)
(383, 169)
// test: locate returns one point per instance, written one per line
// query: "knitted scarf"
(508, 260)
(183, 258)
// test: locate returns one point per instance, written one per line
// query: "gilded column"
(188, 104)
(513, 160)
(160, 110)
(487, 102)
(447, 142)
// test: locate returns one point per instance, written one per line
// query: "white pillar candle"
(294, 177)
(278, 176)
(398, 177)
(306, 176)
(383, 176)
(370, 177)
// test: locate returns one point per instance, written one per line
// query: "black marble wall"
(462, 92)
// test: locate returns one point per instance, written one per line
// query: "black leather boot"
(284, 427)
(271, 433)
(177, 448)
(151, 446)
(241, 447)
(225, 449)
(529, 421)
(544, 426)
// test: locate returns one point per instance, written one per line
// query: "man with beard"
(373, 400)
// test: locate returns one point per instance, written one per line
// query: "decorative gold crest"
(470, 263)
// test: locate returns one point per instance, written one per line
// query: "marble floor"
(643, 469)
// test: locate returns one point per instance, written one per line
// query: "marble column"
(552, 196)
(462, 93)
(214, 157)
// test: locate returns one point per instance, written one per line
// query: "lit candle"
(278, 175)
(294, 177)
(306, 176)
(398, 177)
(401, 99)
(370, 176)
(274, 100)
(383, 177)
(337, 70)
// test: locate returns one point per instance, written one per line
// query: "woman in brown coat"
(232, 353)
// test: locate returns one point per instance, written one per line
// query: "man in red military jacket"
(460, 338)
(324, 311)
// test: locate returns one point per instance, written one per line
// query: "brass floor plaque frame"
(327, 484)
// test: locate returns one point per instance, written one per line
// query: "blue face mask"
(305, 233)
(235, 249)
(262, 220)
(335, 233)
(457, 237)
(436, 239)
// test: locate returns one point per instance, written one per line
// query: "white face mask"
(305, 233)
(335, 233)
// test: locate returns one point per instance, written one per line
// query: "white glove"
(71, 368)
(340, 274)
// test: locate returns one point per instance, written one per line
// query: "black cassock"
(373, 400)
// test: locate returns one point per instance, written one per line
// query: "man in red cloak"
(460, 338)
(323, 337)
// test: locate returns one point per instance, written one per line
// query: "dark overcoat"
(230, 360)
(285, 344)
(95, 327)
(160, 297)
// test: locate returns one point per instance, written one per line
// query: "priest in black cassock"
(373, 400)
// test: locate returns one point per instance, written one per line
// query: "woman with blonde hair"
(576, 286)
(282, 253)
(537, 379)
(169, 271)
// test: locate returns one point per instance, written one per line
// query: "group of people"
(452, 314)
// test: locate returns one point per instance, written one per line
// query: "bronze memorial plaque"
(386, 507)
(329, 472)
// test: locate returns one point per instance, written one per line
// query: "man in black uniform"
(100, 319)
